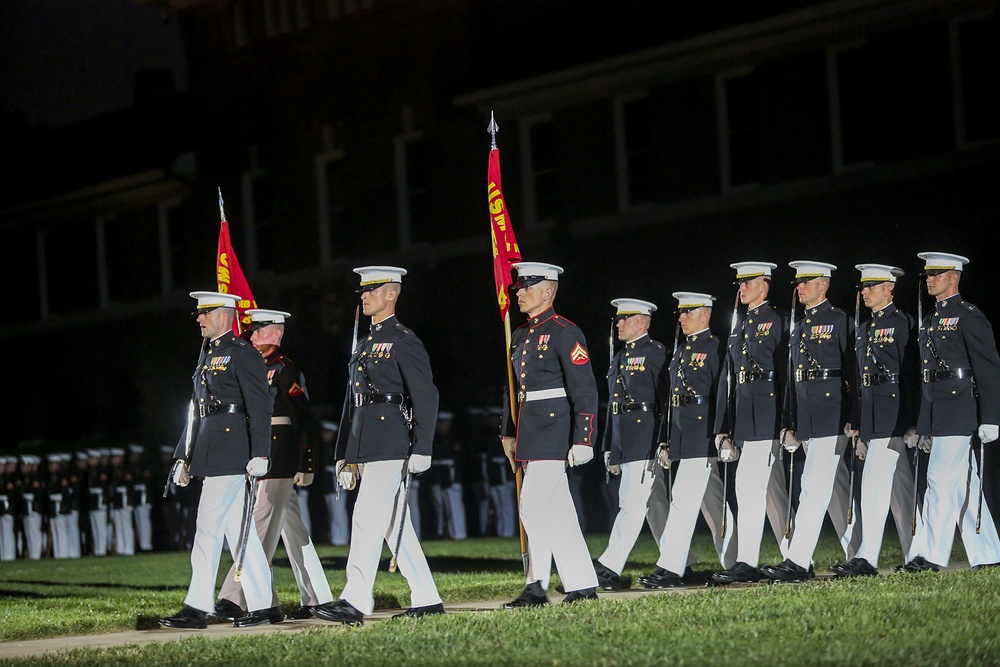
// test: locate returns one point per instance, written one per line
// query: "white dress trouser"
(99, 531)
(33, 538)
(449, 508)
(339, 527)
(377, 514)
(276, 515)
(819, 473)
(887, 482)
(756, 474)
(553, 529)
(124, 534)
(220, 518)
(642, 496)
(73, 542)
(952, 498)
(142, 516)
(8, 549)
(688, 495)
(503, 499)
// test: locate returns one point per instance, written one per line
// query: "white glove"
(924, 443)
(989, 432)
(579, 454)
(303, 478)
(509, 445)
(663, 455)
(181, 475)
(850, 432)
(861, 449)
(418, 464)
(258, 466)
(607, 458)
(789, 440)
(727, 450)
(346, 475)
(910, 437)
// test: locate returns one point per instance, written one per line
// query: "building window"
(975, 59)
(131, 256)
(636, 151)
(739, 129)
(23, 304)
(72, 282)
(413, 205)
(337, 236)
(852, 105)
(541, 177)
(258, 209)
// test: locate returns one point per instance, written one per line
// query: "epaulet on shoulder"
(240, 341)
(563, 321)
(658, 344)
(399, 327)
(968, 306)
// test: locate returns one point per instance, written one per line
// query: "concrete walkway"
(37, 647)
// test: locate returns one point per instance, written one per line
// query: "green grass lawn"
(944, 618)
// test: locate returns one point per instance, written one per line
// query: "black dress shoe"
(300, 613)
(340, 611)
(533, 595)
(739, 573)
(856, 567)
(607, 578)
(984, 566)
(918, 564)
(417, 612)
(259, 617)
(661, 578)
(228, 610)
(582, 594)
(787, 571)
(187, 618)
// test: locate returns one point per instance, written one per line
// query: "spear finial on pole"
(492, 128)
(222, 211)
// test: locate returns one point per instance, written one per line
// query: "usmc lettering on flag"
(579, 355)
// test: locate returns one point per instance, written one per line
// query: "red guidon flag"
(230, 276)
(505, 250)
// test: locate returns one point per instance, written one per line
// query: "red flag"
(231, 279)
(505, 250)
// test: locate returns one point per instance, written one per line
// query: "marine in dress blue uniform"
(636, 392)
(392, 431)
(821, 360)
(748, 424)
(960, 398)
(687, 438)
(556, 406)
(226, 437)
(886, 356)
(276, 514)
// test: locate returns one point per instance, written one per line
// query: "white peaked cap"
(809, 269)
(878, 273)
(373, 277)
(748, 270)
(633, 307)
(263, 316)
(939, 262)
(211, 300)
(689, 300)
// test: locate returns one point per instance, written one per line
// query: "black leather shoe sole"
(417, 612)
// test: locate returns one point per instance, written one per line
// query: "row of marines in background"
(111, 501)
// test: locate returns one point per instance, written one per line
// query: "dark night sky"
(62, 61)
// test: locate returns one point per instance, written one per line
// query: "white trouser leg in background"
(712, 508)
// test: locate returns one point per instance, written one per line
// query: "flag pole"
(493, 128)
